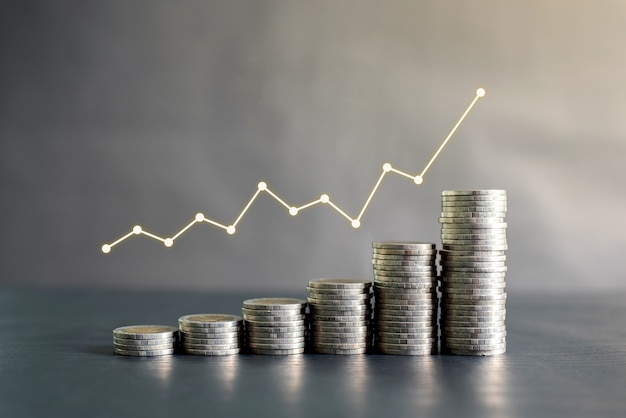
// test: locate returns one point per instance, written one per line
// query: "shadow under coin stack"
(211, 334)
(275, 326)
(473, 268)
(145, 340)
(405, 286)
(341, 313)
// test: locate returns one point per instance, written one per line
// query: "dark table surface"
(566, 357)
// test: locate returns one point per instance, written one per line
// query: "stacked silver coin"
(211, 334)
(145, 340)
(405, 286)
(275, 326)
(340, 313)
(473, 269)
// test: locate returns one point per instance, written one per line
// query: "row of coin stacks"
(396, 314)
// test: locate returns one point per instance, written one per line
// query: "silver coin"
(406, 318)
(466, 277)
(415, 253)
(274, 324)
(473, 215)
(212, 352)
(144, 353)
(131, 347)
(405, 245)
(275, 329)
(473, 206)
(338, 340)
(342, 332)
(189, 346)
(411, 294)
(145, 342)
(210, 331)
(275, 335)
(400, 346)
(474, 286)
(386, 276)
(198, 341)
(473, 292)
(419, 342)
(461, 352)
(340, 324)
(339, 310)
(474, 198)
(408, 335)
(392, 287)
(409, 313)
(330, 283)
(406, 268)
(341, 318)
(210, 320)
(472, 263)
(479, 335)
(470, 325)
(479, 259)
(276, 345)
(338, 292)
(338, 302)
(426, 300)
(486, 227)
(259, 340)
(452, 297)
(407, 352)
(409, 328)
(475, 247)
(277, 352)
(274, 303)
(342, 346)
(274, 319)
(273, 312)
(326, 294)
(483, 192)
(427, 259)
(145, 332)
(453, 341)
(338, 351)
(403, 262)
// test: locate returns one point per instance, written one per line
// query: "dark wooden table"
(566, 357)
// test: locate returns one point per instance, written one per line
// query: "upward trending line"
(294, 210)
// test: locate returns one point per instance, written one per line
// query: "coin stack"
(473, 268)
(405, 286)
(341, 313)
(145, 340)
(211, 334)
(275, 326)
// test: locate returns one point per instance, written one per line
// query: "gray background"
(117, 113)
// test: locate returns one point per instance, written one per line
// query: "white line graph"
(324, 199)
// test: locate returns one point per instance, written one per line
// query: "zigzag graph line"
(295, 210)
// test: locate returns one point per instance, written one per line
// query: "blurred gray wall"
(116, 113)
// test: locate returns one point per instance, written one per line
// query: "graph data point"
(293, 211)
(356, 223)
(231, 230)
(168, 242)
(324, 198)
(262, 185)
(386, 167)
(106, 248)
(480, 92)
(418, 179)
(137, 229)
(199, 217)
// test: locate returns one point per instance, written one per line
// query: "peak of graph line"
(324, 199)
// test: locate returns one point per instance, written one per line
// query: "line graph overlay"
(324, 199)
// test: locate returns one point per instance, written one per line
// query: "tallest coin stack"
(473, 268)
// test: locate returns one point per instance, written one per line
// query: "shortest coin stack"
(211, 334)
(145, 340)
(275, 326)
(341, 312)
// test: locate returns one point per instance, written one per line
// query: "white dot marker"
(137, 229)
(386, 167)
(231, 230)
(356, 223)
(418, 179)
(293, 211)
(324, 198)
(262, 186)
(168, 242)
(480, 92)
(106, 248)
(199, 217)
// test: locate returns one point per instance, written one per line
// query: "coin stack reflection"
(275, 326)
(211, 334)
(405, 286)
(145, 340)
(341, 312)
(473, 268)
